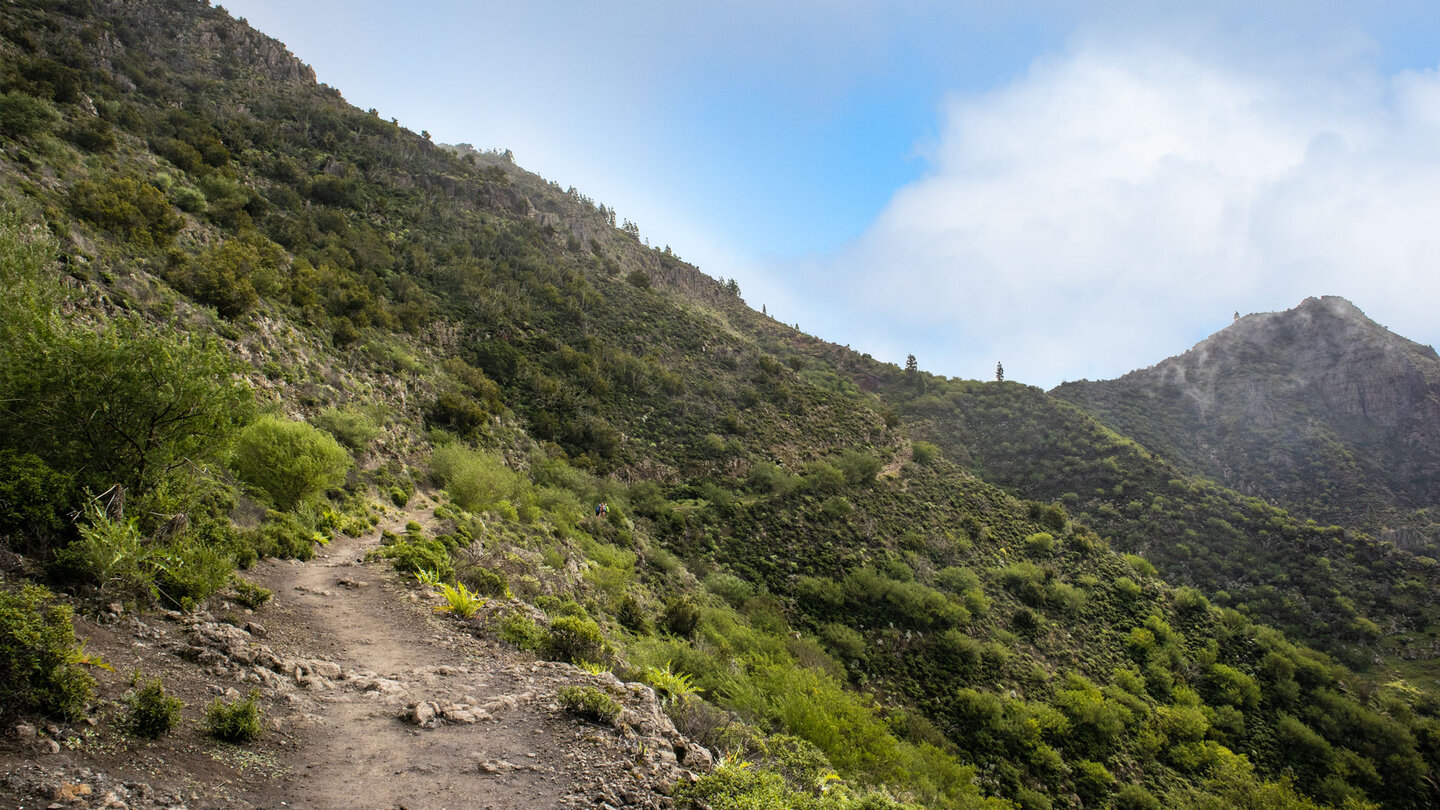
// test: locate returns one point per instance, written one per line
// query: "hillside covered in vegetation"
(1317, 409)
(241, 315)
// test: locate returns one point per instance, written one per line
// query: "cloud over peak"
(1116, 203)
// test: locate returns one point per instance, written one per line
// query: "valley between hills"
(343, 468)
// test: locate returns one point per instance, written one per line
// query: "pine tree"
(999, 372)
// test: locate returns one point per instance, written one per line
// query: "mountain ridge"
(636, 472)
(1317, 408)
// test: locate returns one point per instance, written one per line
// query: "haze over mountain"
(1317, 409)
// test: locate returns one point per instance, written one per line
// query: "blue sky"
(1075, 189)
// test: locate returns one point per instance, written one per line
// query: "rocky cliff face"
(1317, 408)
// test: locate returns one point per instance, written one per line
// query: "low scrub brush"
(589, 703)
(237, 722)
(152, 713)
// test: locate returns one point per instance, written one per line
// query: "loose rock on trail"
(370, 698)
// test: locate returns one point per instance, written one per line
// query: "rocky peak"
(1318, 408)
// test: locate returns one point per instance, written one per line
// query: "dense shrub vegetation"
(792, 538)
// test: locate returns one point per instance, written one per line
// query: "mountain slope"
(818, 591)
(1317, 409)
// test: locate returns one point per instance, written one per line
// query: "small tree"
(999, 372)
(119, 402)
(289, 461)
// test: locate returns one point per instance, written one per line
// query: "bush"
(670, 685)
(249, 594)
(520, 630)
(1040, 544)
(283, 535)
(150, 712)
(237, 722)
(589, 703)
(40, 664)
(22, 115)
(632, 616)
(1134, 797)
(352, 427)
(924, 453)
(415, 556)
(110, 555)
(575, 640)
(131, 208)
(858, 467)
(188, 572)
(460, 601)
(477, 481)
(33, 501)
(485, 581)
(734, 590)
(289, 461)
(682, 617)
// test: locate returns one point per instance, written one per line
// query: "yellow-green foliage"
(816, 708)
(289, 461)
(152, 713)
(237, 722)
(460, 601)
(131, 208)
(476, 481)
(40, 669)
(589, 703)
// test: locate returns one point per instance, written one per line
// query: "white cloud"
(1115, 204)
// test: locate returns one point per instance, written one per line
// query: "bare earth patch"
(371, 700)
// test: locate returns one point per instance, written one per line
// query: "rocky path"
(373, 700)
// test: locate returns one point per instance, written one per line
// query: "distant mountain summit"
(1318, 409)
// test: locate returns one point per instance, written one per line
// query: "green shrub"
(412, 557)
(670, 685)
(289, 461)
(734, 590)
(237, 722)
(632, 615)
(40, 664)
(22, 115)
(460, 601)
(249, 594)
(90, 134)
(33, 501)
(110, 555)
(837, 508)
(844, 641)
(858, 467)
(188, 572)
(681, 617)
(283, 535)
(477, 481)
(575, 640)
(1040, 544)
(736, 786)
(131, 208)
(351, 426)
(924, 453)
(523, 632)
(486, 581)
(149, 711)
(956, 580)
(589, 703)
(1134, 797)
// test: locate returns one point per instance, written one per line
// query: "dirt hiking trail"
(371, 699)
